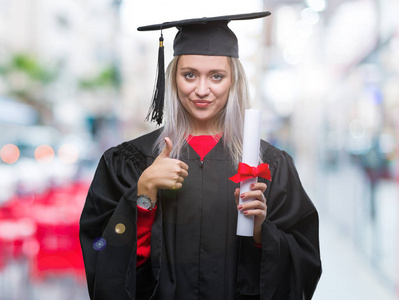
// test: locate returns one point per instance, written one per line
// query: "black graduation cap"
(201, 36)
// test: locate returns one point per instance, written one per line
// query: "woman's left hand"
(256, 208)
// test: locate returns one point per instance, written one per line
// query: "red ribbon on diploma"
(245, 172)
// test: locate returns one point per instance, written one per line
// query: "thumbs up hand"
(164, 173)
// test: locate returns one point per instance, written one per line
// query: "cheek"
(183, 88)
(223, 91)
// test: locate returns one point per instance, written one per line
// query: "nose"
(202, 89)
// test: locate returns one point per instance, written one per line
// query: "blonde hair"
(230, 121)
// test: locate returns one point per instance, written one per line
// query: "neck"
(205, 132)
(205, 129)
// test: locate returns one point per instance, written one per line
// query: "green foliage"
(30, 87)
(29, 65)
(108, 77)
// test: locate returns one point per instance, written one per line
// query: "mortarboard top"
(205, 36)
(200, 36)
(204, 20)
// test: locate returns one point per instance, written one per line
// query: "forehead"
(204, 62)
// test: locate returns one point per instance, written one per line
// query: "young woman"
(160, 218)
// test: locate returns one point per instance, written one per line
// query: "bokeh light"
(44, 154)
(317, 5)
(310, 15)
(9, 153)
(68, 153)
(99, 244)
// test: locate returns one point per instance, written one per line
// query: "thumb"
(168, 148)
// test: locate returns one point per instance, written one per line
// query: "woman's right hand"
(164, 173)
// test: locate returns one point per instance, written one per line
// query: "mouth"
(201, 103)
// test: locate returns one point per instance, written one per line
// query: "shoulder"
(271, 154)
(137, 151)
(143, 144)
(276, 158)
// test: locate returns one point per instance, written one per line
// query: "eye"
(189, 75)
(217, 77)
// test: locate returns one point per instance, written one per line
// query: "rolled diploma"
(250, 156)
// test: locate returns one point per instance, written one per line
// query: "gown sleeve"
(108, 226)
(145, 220)
(290, 266)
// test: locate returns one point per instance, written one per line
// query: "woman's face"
(203, 84)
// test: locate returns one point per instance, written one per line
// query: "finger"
(175, 167)
(183, 165)
(180, 180)
(167, 149)
(176, 186)
(257, 194)
(183, 173)
(253, 205)
(259, 186)
(255, 212)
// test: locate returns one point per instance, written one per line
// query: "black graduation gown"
(195, 253)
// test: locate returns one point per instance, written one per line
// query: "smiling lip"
(201, 103)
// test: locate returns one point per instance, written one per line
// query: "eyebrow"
(210, 71)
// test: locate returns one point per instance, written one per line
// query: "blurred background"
(76, 78)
